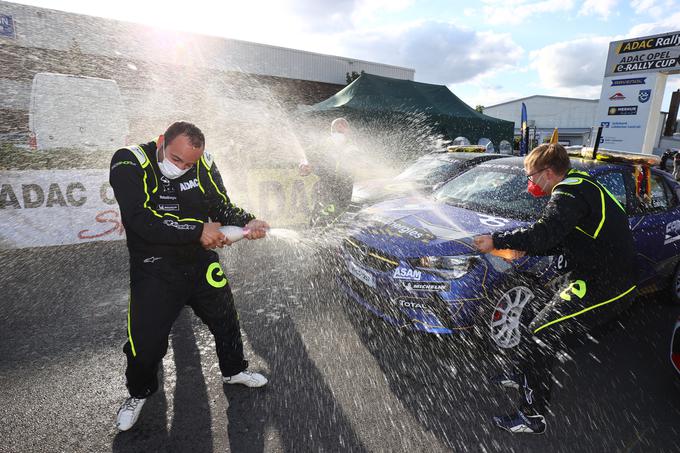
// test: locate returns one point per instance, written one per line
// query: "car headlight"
(449, 267)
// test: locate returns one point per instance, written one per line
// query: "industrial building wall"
(56, 30)
(164, 75)
(152, 93)
(548, 112)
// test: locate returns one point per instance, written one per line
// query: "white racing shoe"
(247, 378)
(129, 413)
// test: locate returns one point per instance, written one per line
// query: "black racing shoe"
(519, 422)
(510, 380)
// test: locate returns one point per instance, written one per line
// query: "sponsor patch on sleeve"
(123, 162)
(139, 154)
(571, 181)
(207, 159)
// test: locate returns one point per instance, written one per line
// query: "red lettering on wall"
(109, 216)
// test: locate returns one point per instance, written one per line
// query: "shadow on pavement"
(191, 426)
(618, 395)
(296, 411)
(297, 404)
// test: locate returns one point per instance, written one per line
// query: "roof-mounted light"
(466, 149)
(608, 155)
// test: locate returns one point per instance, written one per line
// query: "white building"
(573, 117)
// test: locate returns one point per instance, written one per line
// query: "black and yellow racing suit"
(590, 227)
(169, 268)
(332, 194)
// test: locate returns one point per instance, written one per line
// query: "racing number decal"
(220, 274)
(492, 221)
(577, 288)
(561, 262)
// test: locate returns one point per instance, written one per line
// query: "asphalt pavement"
(340, 380)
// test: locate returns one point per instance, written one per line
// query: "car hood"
(417, 226)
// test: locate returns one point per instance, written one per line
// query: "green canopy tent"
(370, 97)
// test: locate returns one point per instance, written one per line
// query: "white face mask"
(170, 170)
(338, 138)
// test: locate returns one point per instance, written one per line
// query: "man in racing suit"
(172, 203)
(332, 163)
(591, 229)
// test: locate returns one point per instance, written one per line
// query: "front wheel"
(509, 316)
(675, 287)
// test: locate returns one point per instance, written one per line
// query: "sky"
(486, 52)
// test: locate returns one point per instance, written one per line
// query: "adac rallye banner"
(62, 207)
(57, 207)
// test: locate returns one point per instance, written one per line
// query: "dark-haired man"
(172, 203)
(591, 229)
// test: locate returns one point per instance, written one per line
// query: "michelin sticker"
(427, 286)
(672, 232)
(402, 273)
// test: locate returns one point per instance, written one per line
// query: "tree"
(479, 108)
(353, 76)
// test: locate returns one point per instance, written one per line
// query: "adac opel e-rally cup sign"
(659, 53)
(632, 90)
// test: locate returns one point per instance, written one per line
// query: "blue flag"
(524, 133)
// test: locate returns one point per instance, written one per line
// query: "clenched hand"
(257, 229)
(484, 243)
(212, 236)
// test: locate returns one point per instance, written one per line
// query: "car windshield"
(430, 169)
(493, 189)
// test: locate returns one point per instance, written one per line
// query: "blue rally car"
(411, 261)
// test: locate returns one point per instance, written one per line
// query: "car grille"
(370, 257)
(381, 300)
(386, 302)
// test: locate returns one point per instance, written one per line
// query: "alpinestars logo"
(188, 185)
(167, 187)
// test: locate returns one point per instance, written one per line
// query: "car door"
(620, 183)
(657, 229)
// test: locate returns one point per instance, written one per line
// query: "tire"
(509, 315)
(674, 289)
(675, 346)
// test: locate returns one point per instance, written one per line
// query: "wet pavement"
(339, 380)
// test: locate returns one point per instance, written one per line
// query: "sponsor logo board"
(622, 110)
(427, 286)
(632, 81)
(402, 273)
(644, 95)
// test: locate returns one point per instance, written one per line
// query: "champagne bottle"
(234, 233)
